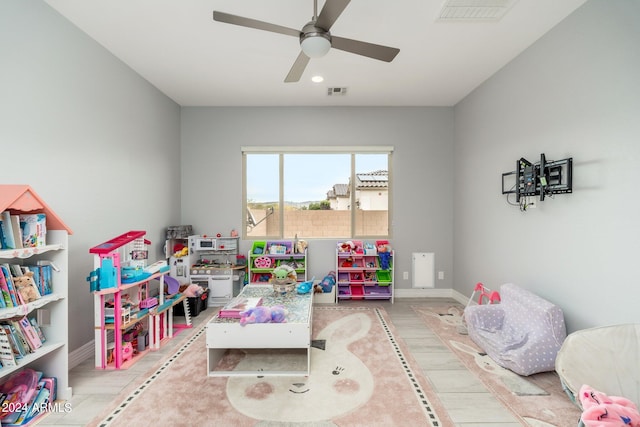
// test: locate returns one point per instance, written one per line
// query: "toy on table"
(263, 314)
(305, 287)
(284, 279)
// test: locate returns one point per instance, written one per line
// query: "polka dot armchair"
(523, 333)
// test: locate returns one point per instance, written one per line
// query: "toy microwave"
(200, 243)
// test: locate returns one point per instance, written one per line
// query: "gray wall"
(95, 140)
(575, 92)
(422, 170)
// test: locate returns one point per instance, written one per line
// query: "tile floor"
(468, 402)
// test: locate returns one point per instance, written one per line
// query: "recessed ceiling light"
(317, 79)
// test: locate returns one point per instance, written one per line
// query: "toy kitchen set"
(210, 262)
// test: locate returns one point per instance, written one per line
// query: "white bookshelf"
(51, 311)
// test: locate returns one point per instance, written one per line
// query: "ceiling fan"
(315, 38)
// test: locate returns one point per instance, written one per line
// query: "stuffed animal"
(304, 287)
(183, 251)
(193, 291)
(26, 287)
(601, 410)
(348, 246)
(301, 246)
(278, 314)
(263, 314)
(284, 273)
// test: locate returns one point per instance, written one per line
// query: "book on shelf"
(238, 305)
(23, 345)
(12, 341)
(36, 327)
(17, 231)
(7, 356)
(8, 240)
(32, 337)
(34, 229)
(24, 335)
(42, 275)
(5, 300)
(8, 277)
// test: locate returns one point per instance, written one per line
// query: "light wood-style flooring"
(467, 401)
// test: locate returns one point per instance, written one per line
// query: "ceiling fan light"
(315, 46)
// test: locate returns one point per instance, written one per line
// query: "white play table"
(223, 334)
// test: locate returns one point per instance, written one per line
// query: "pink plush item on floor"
(600, 410)
(193, 291)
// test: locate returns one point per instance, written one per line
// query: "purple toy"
(263, 314)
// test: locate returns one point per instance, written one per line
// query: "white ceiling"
(177, 47)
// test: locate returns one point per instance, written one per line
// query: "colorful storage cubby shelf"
(360, 272)
(384, 277)
(370, 278)
(377, 293)
(267, 255)
(282, 247)
(357, 291)
(258, 247)
(371, 262)
(296, 264)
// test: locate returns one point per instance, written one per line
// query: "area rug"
(537, 400)
(361, 375)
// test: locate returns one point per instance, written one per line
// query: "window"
(316, 192)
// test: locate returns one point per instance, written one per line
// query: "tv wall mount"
(543, 178)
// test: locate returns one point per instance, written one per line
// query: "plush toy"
(278, 314)
(304, 287)
(301, 245)
(183, 251)
(26, 287)
(347, 246)
(326, 285)
(384, 253)
(263, 314)
(601, 410)
(284, 273)
(193, 291)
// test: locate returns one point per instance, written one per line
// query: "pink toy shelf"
(117, 283)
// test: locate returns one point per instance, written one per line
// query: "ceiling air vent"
(474, 10)
(336, 91)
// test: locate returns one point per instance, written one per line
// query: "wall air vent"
(336, 91)
(474, 10)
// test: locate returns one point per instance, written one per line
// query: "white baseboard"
(462, 299)
(81, 354)
(422, 293)
(431, 293)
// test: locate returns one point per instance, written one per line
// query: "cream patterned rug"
(361, 375)
(537, 400)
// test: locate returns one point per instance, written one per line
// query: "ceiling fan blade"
(253, 23)
(297, 68)
(375, 51)
(331, 10)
